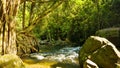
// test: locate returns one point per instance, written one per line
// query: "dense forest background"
(69, 20)
(59, 33)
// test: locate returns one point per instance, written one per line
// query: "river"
(66, 57)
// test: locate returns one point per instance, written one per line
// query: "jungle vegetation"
(23, 22)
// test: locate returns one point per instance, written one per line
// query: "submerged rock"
(11, 61)
(100, 51)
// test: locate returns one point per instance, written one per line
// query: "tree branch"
(34, 22)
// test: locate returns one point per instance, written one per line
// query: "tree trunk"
(8, 10)
(23, 23)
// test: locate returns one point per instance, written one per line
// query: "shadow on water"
(65, 65)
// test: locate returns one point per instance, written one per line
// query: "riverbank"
(30, 63)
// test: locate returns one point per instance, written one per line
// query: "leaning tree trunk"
(8, 9)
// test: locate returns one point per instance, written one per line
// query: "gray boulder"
(100, 51)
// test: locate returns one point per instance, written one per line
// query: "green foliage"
(74, 20)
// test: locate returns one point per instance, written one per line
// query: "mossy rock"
(112, 34)
(108, 32)
(100, 51)
(11, 61)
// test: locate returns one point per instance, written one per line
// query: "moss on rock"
(11, 61)
(112, 34)
(100, 51)
(108, 32)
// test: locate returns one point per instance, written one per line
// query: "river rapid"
(67, 57)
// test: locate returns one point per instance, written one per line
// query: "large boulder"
(11, 61)
(100, 51)
(112, 34)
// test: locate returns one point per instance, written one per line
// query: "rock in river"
(100, 51)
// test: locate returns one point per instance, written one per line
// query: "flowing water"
(67, 57)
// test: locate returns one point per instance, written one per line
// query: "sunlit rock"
(90, 64)
(100, 51)
(11, 61)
